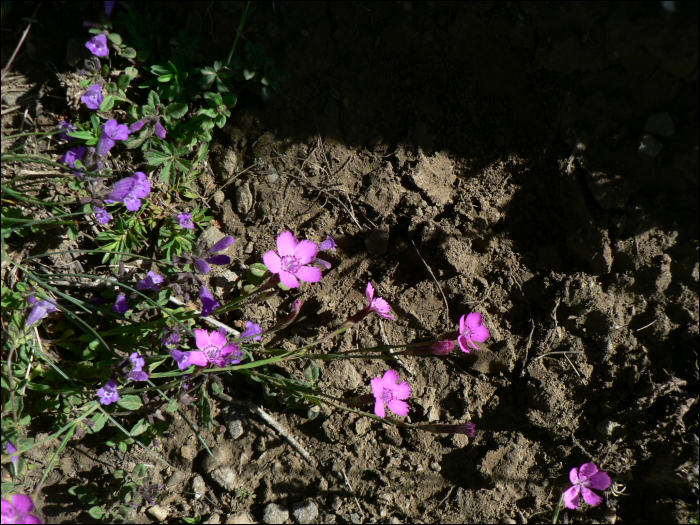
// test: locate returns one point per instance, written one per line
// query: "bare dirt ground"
(542, 160)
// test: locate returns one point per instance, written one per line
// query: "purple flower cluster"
(130, 191)
(185, 221)
(111, 132)
(137, 363)
(93, 97)
(152, 281)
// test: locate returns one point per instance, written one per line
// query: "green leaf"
(107, 103)
(265, 93)
(122, 447)
(114, 37)
(313, 412)
(153, 99)
(213, 99)
(258, 269)
(130, 402)
(128, 52)
(248, 73)
(82, 135)
(165, 78)
(95, 512)
(156, 158)
(311, 371)
(139, 428)
(230, 100)
(118, 474)
(176, 110)
(173, 405)
(124, 82)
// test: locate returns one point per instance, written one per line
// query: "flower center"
(386, 395)
(212, 352)
(290, 263)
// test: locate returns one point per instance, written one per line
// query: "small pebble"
(650, 146)
(244, 199)
(158, 513)
(219, 197)
(225, 477)
(275, 513)
(242, 518)
(198, 487)
(272, 177)
(187, 452)
(305, 512)
(214, 519)
(174, 480)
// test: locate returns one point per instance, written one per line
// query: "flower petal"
(288, 279)
(199, 358)
(471, 342)
(377, 387)
(306, 251)
(573, 475)
(369, 293)
(381, 306)
(272, 261)
(219, 260)
(379, 409)
(591, 497)
(474, 319)
(587, 470)
(201, 338)
(462, 340)
(309, 274)
(231, 348)
(286, 243)
(390, 379)
(201, 265)
(400, 408)
(462, 324)
(402, 391)
(599, 481)
(217, 339)
(22, 503)
(571, 496)
(480, 333)
(222, 244)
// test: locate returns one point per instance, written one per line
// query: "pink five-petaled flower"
(108, 394)
(18, 510)
(130, 191)
(93, 97)
(471, 328)
(214, 349)
(291, 261)
(584, 479)
(111, 132)
(387, 391)
(378, 304)
(98, 45)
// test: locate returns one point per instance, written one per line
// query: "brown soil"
(498, 144)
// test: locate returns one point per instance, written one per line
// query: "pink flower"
(18, 510)
(291, 262)
(584, 479)
(387, 391)
(378, 304)
(442, 347)
(471, 328)
(214, 349)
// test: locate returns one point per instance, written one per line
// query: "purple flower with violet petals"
(109, 6)
(291, 262)
(181, 358)
(252, 329)
(202, 265)
(40, 310)
(66, 127)
(120, 305)
(98, 45)
(102, 216)
(209, 304)
(111, 132)
(108, 394)
(93, 97)
(378, 304)
(160, 130)
(70, 156)
(185, 221)
(11, 449)
(328, 244)
(386, 391)
(130, 191)
(471, 328)
(584, 479)
(18, 510)
(150, 282)
(214, 349)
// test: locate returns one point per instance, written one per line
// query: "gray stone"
(223, 454)
(650, 146)
(242, 518)
(235, 420)
(198, 487)
(225, 477)
(158, 513)
(177, 478)
(348, 378)
(188, 453)
(214, 519)
(219, 197)
(305, 511)
(226, 164)
(272, 177)
(275, 513)
(660, 124)
(244, 199)
(377, 242)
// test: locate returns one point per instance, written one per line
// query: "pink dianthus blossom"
(18, 510)
(214, 349)
(584, 479)
(471, 328)
(291, 262)
(386, 391)
(378, 304)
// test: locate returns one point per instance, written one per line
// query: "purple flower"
(150, 282)
(160, 130)
(18, 510)
(209, 304)
(93, 97)
(222, 244)
(291, 261)
(203, 266)
(109, 6)
(137, 361)
(585, 479)
(138, 375)
(387, 391)
(471, 328)
(171, 336)
(130, 191)
(185, 221)
(72, 155)
(120, 305)
(66, 127)
(108, 394)
(41, 309)
(181, 358)
(328, 244)
(214, 349)
(98, 45)
(111, 132)
(102, 216)
(378, 304)
(11, 449)
(251, 329)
